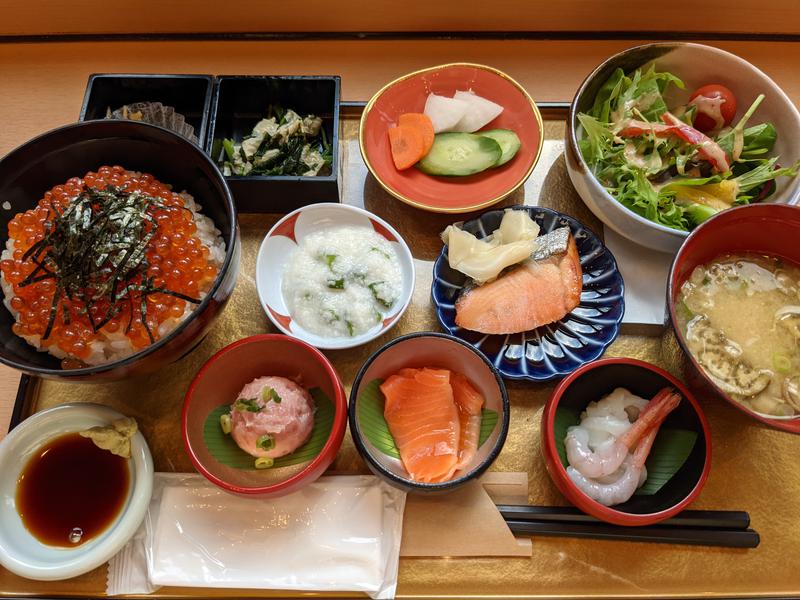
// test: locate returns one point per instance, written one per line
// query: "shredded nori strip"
(95, 250)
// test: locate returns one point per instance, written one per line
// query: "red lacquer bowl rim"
(318, 464)
(459, 209)
(786, 210)
(559, 474)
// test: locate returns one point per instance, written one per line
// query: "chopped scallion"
(268, 394)
(265, 442)
(225, 423)
(264, 462)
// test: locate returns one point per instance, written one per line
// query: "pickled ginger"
(483, 260)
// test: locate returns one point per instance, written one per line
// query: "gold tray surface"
(753, 468)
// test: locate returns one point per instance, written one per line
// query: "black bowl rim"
(355, 429)
(229, 250)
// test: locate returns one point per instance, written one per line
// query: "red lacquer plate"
(451, 194)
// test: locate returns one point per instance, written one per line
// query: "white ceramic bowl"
(283, 239)
(23, 554)
(696, 65)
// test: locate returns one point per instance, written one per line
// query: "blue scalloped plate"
(554, 350)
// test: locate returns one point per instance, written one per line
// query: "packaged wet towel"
(340, 533)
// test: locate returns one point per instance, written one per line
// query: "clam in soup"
(740, 316)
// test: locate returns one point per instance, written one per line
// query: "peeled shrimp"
(609, 457)
(632, 474)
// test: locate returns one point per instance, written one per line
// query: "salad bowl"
(650, 219)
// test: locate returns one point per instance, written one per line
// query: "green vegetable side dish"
(653, 160)
(283, 143)
(459, 154)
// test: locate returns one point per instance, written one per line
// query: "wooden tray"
(754, 468)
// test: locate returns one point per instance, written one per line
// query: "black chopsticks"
(693, 527)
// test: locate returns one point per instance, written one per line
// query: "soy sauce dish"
(69, 504)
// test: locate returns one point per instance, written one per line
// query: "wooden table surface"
(43, 83)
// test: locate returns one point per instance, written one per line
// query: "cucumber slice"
(508, 140)
(456, 154)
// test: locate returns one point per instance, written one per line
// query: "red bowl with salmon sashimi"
(264, 416)
(452, 138)
(428, 412)
(626, 442)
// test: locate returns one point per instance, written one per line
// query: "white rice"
(110, 347)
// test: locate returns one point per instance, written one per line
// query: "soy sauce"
(70, 491)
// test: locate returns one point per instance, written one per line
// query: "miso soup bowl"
(435, 350)
(773, 230)
(219, 382)
(593, 381)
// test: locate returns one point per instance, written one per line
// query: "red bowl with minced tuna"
(264, 416)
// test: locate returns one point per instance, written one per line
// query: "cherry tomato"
(704, 119)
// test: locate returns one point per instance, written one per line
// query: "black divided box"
(189, 95)
(229, 107)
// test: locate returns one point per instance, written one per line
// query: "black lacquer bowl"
(551, 351)
(72, 151)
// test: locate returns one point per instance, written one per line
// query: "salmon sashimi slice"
(423, 420)
(469, 403)
(534, 294)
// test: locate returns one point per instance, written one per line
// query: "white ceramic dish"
(23, 554)
(283, 239)
(696, 65)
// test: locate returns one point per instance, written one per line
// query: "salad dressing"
(712, 108)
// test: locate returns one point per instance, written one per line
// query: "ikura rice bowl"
(106, 265)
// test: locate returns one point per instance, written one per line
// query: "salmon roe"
(176, 260)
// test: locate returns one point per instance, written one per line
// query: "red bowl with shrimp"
(593, 381)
